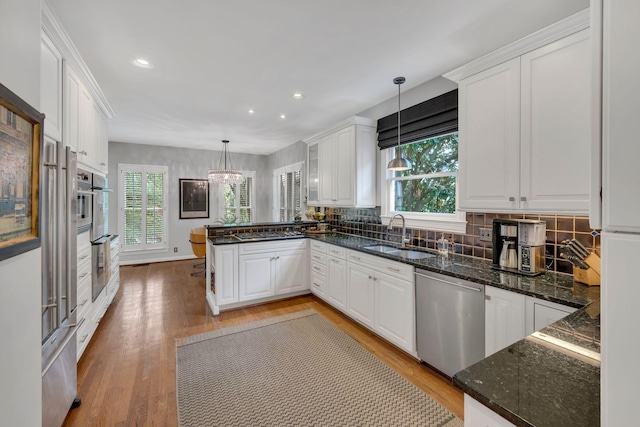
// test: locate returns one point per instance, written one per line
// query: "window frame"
(221, 206)
(299, 166)
(452, 223)
(162, 246)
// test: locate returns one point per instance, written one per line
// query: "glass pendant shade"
(399, 163)
(225, 175)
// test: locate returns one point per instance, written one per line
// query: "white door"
(256, 275)
(337, 283)
(489, 132)
(504, 319)
(395, 310)
(555, 126)
(226, 274)
(291, 272)
(361, 294)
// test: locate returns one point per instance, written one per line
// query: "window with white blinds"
(288, 192)
(143, 206)
(237, 200)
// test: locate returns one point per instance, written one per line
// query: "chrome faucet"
(404, 239)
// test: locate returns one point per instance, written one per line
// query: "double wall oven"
(90, 214)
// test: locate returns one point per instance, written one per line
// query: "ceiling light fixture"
(399, 163)
(282, 116)
(142, 63)
(251, 111)
(225, 176)
(297, 96)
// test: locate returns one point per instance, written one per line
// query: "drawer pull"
(84, 338)
(397, 270)
(82, 276)
(83, 257)
(316, 268)
(316, 285)
(84, 302)
(355, 257)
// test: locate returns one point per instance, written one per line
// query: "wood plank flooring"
(126, 376)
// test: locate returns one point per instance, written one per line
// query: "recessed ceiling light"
(251, 111)
(297, 96)
(282, 116)
(142, 63)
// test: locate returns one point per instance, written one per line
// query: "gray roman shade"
(428, 119)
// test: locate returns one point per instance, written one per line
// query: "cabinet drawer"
(84, 301)
(318, 246)
(318, 257)
(393, 268)
(318, 268)
(318, 284)
(336, 251)
(273, 246)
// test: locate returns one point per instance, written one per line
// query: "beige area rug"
(294, 370)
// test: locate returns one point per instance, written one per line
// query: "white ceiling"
(214, 60)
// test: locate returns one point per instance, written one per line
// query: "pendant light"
(399, 163)
(225, 176)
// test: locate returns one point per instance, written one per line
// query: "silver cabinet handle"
(355, 257)
(316, 268)
(83, 302)
(84, 338)
(83, 257)
(523, 199)
(83, 275)
(370, 277)
(316, 285)
(103, 164)
(512, 199)
(397, 270)
(487, 297)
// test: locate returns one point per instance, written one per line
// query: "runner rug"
(294, 370)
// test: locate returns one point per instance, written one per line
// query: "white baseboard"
(151, 260)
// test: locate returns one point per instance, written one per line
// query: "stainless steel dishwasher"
(449, 321)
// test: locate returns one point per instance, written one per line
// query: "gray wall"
(184, 163)
(20, 276)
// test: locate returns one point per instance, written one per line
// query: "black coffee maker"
(505, 245)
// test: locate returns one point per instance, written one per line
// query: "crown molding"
(52, 27)
(355, 120)
(572, 24)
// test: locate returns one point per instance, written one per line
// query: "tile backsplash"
(367, 222)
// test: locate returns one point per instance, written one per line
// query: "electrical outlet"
(485, 234)
(175, 249)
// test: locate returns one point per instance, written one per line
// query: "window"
(287, 192)
(427, 191)
(237, 200)
(142, 207)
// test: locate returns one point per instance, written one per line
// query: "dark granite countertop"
(550, 378)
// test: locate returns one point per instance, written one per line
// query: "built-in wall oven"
(100, 241)
(84, 205)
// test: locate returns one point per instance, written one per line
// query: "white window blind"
(238, 200)
(143, 206)
(288, 191)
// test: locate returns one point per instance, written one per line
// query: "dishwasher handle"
(471, 288)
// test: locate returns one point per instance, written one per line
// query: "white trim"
(355, 120)
(152, 260)
(572, 24)
(52, 27)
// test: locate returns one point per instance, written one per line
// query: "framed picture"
(194, 198)
(20, 145)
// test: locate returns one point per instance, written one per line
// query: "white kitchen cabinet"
(291, 272)
(346, 165)
(525, 131)
(51, 65)
(395, 310)
(100, 139)
(256, 276)
(71, 105)
(318, 268)
(542, 313)
(226, 274)
(361, 294)
(504, 319)
(337, 282)
(478, 415)
(86, 327)
(114, 280)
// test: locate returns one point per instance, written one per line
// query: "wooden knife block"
(590, 277)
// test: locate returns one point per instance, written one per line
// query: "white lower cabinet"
(478, 415)
(256, 275)
(226, 276)
(510, 316)
(395, 310)
(337, 282)
(361, 296)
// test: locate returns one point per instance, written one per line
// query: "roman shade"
(428, 119)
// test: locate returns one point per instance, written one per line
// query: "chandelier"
(225, 176)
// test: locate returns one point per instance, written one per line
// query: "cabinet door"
(337, 283)
(51, 88)
(556, 119)
(504, 319)
(256, 276)
(344, 167)
(540, 313)
(291, 272)
(318, 285)
(328, 146)
(85, 128)
(226, 274)
(100, 138)
(489, 132)
(73, 86)
(361, 294)
(313, 178)
(395, 310)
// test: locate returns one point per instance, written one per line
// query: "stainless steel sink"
(402, 253)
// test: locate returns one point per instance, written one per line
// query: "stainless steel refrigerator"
(58, 200)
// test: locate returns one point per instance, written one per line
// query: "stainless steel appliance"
(100, 241)
(532, 237)
(59, 281)
(449, 321)
(84, 205)
(505, 241)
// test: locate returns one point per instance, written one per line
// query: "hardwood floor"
(126, 376)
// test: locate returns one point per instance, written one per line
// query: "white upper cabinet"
(525, 124)
(51, 87)
(345, 160)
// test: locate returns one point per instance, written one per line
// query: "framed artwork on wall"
(21, 140)
(194, 198)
